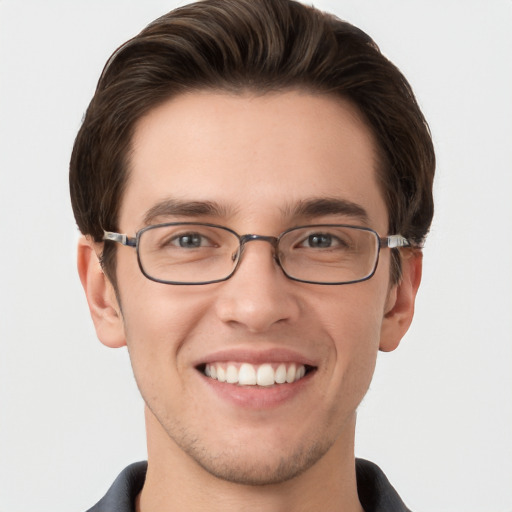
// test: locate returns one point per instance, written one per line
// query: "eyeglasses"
(188, 253)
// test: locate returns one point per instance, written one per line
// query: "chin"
(266, 467)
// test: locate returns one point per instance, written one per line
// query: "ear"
(399, 309)
(101, 297)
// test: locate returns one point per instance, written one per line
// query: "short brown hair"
(261, 46)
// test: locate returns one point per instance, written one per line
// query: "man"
(253, 180)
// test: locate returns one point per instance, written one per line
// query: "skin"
(244, 450)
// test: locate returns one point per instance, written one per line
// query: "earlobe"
(101, 297)
(401, 299)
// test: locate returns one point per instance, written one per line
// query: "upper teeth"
(246, 374)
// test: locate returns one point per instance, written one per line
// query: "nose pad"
(245, 239)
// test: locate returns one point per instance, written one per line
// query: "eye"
(322, 241)
(319, 240)
(190, 241)
(175, 238)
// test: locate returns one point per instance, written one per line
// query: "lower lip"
(258, 397)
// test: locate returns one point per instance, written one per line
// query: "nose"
(258, 295)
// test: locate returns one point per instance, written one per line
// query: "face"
(250, 162)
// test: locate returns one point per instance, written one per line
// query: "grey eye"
(319, 240)
(190, 240)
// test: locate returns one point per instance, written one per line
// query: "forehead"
(254, 157)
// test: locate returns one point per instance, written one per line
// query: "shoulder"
(122, 493)
(376, 493)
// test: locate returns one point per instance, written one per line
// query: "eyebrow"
(176, 207)
(318, 207)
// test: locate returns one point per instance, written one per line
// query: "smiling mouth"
(246, 374)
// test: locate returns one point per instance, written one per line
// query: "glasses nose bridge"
(245, 239)
(272, 240)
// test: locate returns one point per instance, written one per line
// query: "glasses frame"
(387, 242)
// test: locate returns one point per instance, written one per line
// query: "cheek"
(354, 322)
(353, 315)
(358, 344)
(155, 315)
(158, 320)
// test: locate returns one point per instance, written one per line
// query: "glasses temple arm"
(119, 238)
(395, 241)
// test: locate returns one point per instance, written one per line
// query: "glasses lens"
(187, 253)
(329, 254)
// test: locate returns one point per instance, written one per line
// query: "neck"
(174, 481)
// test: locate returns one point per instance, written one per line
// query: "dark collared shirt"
(376, 494)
